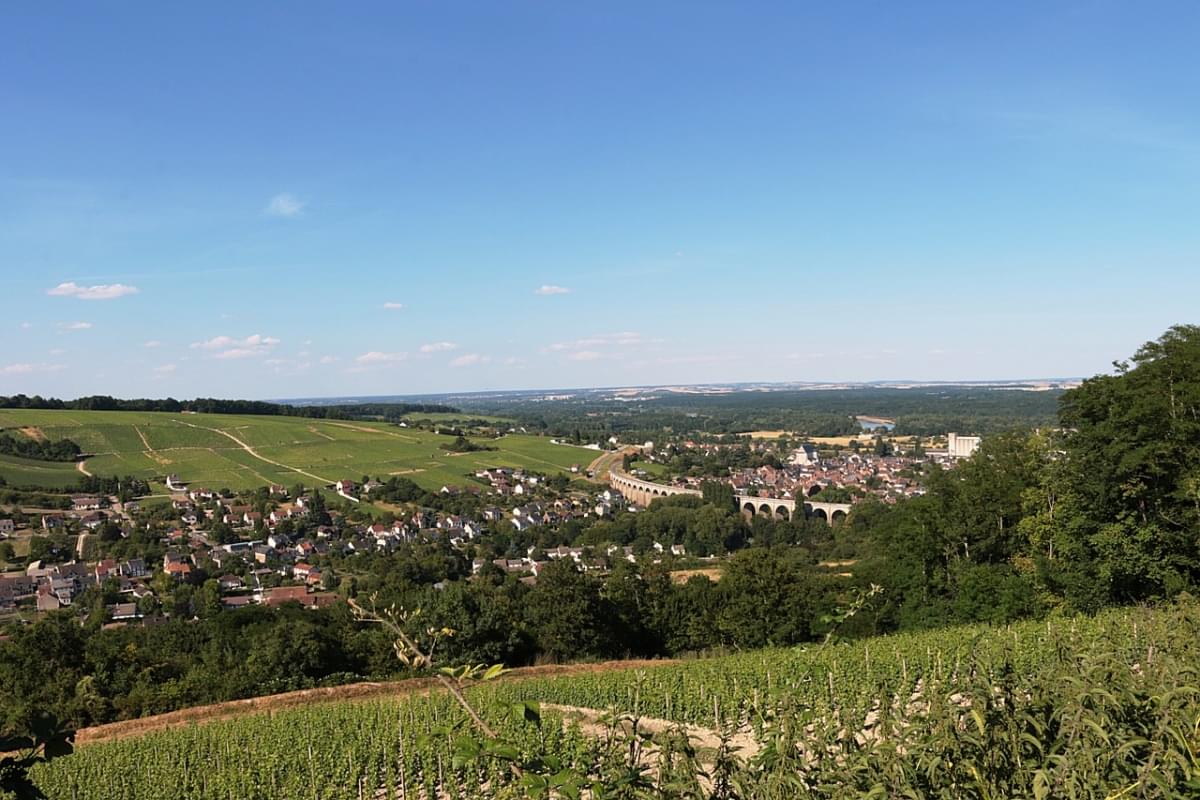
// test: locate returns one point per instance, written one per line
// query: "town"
(291, 545)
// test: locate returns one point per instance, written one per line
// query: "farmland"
(241, 452)
(973, 712)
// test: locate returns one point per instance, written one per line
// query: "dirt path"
(252, 452)
(81, 466)
(590, 722)
(332, 694)
(145, 441)
(362, 429)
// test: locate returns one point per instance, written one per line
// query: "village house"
(298, 594)
(93, 520)
(85, 503)
(121, 612)
(230, 583)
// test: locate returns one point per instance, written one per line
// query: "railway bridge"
(643, 493)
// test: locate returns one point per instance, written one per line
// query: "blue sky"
(285, 199)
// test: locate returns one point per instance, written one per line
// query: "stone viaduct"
(644, 492)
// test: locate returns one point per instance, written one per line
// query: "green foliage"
(39, 449)
(35, 740)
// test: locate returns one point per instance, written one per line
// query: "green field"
(28, 472)
(202, 450)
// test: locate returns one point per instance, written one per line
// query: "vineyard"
(245, 452)
(1104, 707)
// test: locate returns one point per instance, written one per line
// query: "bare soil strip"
(591, 723)
(34, 433)
(362, 429)
(333, 694)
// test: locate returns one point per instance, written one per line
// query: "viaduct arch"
(643, 493)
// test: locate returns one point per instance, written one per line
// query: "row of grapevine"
(1053, 708)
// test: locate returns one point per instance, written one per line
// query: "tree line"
(38, 449)
(212, 405)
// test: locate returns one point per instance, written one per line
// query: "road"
(602, 465)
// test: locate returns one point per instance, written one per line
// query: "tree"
(1132, 458)
(767, 598)
(717, 493)
(566, 614)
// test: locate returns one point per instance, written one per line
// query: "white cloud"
(26, 326)
(549, 288)
(110, 291)
(284, 204)
(469, 360)
(58, 351)
(376, 357)
(393, 306)
(165, 369)
(601, 342)
(237, 352)
(585, 355)
(329, 359)
(229, 347)
(438, 347)
(74, 326)
(25, 369)
(152, 343)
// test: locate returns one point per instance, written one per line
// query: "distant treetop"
(212, 405)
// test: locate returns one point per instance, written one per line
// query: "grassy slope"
(154, 444)
(24, 471)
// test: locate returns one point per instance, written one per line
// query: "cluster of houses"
(506, 481)
(887, 477)
(806, 472)
(87, 511)
(56, 586)
(586, 558)
(269, 553)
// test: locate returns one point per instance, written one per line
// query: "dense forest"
(923, 411)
